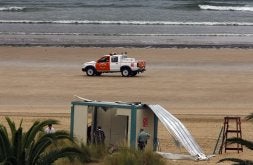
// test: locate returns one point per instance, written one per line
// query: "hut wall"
(145, 120)
(80, 123)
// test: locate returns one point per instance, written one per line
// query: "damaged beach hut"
(121, 122)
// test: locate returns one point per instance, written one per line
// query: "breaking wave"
(12, 8)
(126, 34)
(226, 8)
(127, 22)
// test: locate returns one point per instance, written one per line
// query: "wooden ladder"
(232, 128)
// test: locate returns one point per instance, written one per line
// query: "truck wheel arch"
(125, 71)
(90, 70)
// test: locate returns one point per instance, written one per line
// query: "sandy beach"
(199, 86)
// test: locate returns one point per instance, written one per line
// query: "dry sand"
(199, 86)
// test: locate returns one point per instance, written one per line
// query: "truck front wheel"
(125, 72)
(90, 71)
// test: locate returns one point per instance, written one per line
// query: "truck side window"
(114, 59)
(103, 59)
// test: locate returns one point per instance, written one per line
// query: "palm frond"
(4, 144)
(27, 136)
(35, 129)
(52, 156)
(238, 161)
(20, 124)
(34, 146)
(45, 141)
(17, 146)
(249, 117)
(10, 161)
(38, 149)
(246, 143)
(12, 127)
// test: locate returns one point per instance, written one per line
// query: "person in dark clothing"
(99, 136)
(142, 139)
(89, 134)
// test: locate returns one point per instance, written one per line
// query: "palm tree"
(246, 143)
(34, 147)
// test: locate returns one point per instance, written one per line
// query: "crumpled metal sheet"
(178, 131)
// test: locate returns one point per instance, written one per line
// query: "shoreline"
(132, 46)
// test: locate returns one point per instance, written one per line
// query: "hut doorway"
(114, 125)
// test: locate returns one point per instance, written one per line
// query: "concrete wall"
(127, 113)
(80, 123)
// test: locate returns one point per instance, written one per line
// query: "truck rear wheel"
(125, 72)
(90, 71)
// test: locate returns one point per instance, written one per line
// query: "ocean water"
(137, 23)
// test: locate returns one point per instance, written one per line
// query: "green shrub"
(134, 157)
(86, 154)
(96, 152)
(89, 154)
(151, 158)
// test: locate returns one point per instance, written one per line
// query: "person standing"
(89, 134)
(142, 139)
(50, 129)
(99, 136)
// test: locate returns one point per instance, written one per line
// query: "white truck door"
(115, 64)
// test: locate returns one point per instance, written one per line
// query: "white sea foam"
(226, 8)
(12, 8)
(126, 34)
(128, 22)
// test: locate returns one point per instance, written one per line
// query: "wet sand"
(199, 86)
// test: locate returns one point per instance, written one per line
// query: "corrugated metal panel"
(179, 131)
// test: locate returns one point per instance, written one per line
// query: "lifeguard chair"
(231, 128)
